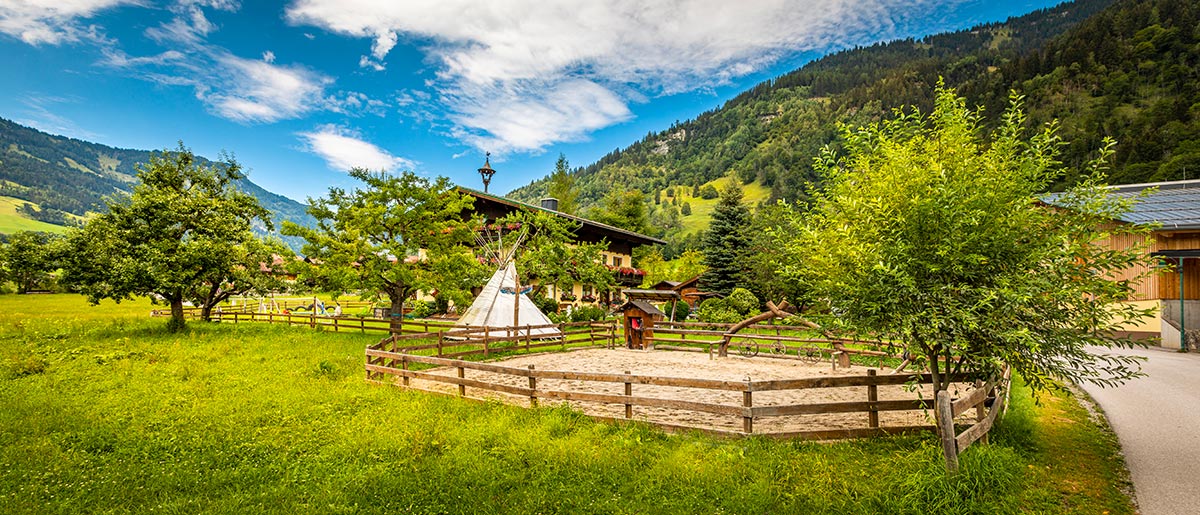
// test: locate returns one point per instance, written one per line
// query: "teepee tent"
(501, 306)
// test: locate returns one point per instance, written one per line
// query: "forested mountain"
(66, 178)
(1128, 69)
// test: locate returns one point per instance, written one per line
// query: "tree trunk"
(206, 312)
(176, 323)
(397, 312)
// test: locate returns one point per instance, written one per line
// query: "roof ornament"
(486, 171)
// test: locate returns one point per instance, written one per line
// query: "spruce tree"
(726, 242)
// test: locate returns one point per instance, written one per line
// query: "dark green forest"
(1129, 70)
(65, 176)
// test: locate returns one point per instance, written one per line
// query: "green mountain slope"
(57, 180)
(1127, 70)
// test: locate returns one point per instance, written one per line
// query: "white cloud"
(591, 56)
(52, 22)
(343, 149)
(240, 89)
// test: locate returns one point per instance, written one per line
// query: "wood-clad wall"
(1165, 283)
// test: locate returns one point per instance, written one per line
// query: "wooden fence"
(336, 324)
(388, 358)
(993, 394)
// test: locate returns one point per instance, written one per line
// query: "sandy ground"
(698, 365)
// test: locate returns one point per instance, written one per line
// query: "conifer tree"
(725, 242)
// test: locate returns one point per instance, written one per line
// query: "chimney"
(550, 203)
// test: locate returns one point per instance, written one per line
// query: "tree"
(726, 242)
(709, 192)
(184, 229)
(771, 224)
(258, 266)
(30, 258)
(931, 234)
(685, 209)
(551, 255)
(562, 186)
(625, 209)
(396, 236)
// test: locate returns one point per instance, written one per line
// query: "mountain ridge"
(1127, 69)
(66, 178)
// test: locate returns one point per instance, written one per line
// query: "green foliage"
(552, 256)
(739, 305)
(717, 311)
(124, 417)
(184, 233)
(744, 303)
(686, 266)
(397, 235)
(562, 186)
(708, 192)
(682, 309)
(625, 209)
(587, 314)
(927, 233)
(422, 309)
(544, 304)
(726, 243)
(685, 209)
(771, 224)
(29, 260)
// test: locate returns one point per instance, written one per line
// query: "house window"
(616, 261)
(587, 290)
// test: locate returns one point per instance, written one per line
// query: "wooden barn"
(1173, 288)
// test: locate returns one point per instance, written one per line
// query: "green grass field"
(11, 221)
(702, 209)
(103, 411)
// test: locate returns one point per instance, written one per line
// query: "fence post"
(404, 367)
(981, 411)
(528, 336)
(872, 397)
(532, 388)
(628, 393)
(486, 332)
(439, 348)
(462, 388)
(945, 421)
(748, 404)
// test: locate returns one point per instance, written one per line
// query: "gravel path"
(1158, 423)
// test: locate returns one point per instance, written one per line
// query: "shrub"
(742, 302)
(587, 314)
(681, 309)
(422, 309)
(717, 311)
(544, 304)
(709, 192)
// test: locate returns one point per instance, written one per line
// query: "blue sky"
(299, 91)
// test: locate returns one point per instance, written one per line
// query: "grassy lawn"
(702, 208)
(103, 411)
(11, 221)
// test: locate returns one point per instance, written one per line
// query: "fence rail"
(994, 394)
(388, 358)
(337, 324)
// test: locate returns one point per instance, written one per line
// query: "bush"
(587, 314)
(717, 311)
(708, 192)
(681, 309)
(544, 304)
(422, 309)
(742, 302)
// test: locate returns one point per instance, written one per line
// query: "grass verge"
(103, 411)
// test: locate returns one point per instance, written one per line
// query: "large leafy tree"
(625, 209)
(185, 230)
(934, 234)
(395, 236)
(726, 243)
(30, 258)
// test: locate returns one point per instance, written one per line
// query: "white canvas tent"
(501, 306)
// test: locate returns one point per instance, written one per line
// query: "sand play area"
(697, 365)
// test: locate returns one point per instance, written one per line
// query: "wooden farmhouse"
(1173, 288)
(618, 257)
(688, 290)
